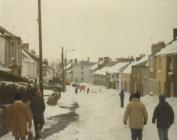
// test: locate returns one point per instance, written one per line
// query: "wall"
(29, 69)
(81, 74)
(125, 81)
(161, 75)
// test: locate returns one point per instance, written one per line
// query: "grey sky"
(93, 27)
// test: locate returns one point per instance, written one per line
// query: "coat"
(136, 113)
(37, 106)
(164, 115)
(121, 94)
(19, 118)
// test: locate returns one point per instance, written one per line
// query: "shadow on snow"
(62, 121)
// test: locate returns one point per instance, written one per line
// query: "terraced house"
(11, 50)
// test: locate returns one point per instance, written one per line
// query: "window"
(82, 79)
(13, 49)
(171, 64)
(159, 87)
(159, 63)
(171, 89)
(82, 73)
(151, 64)
(82, 67)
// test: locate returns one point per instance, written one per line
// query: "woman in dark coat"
(121, 94)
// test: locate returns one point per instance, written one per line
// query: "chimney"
(88, 59)
(75, 61)
(25, 46)
(100, 59)
(175, 34)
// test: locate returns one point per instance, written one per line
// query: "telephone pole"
(63, 75)
(40, 47)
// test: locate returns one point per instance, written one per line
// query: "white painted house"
(29, 67)
(81, 72)
(48, 73)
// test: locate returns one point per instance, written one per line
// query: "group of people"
(137, 115)
(76, 90)
(20, 115)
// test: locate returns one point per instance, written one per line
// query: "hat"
(17, 96)
(162, 98)
(136, 95)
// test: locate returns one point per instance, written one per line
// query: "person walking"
(88, 90)
(37, 106)
(76, 90)
(164, 116)
(122, 94)
(19, 118)
(137, 115)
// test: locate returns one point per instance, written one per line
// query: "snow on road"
(99, 116)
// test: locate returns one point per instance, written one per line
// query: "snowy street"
(95, 116)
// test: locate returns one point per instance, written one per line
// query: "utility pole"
(40, 47)
(63, 75)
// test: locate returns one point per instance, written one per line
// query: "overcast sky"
(93, 27)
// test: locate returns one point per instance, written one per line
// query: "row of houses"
(17, 59)
(154, 73)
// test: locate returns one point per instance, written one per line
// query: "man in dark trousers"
(164, 115)
(76, 90)
(38, 107)
(121, 94)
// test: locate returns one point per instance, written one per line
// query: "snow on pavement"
(100, 116)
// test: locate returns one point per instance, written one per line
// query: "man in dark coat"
(121, 94)
(164, 115)
(38, 107)
(76, 90)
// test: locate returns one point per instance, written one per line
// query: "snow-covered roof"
(170, 49)
(142, 60)
(117, 67)
(4, 68)
(68, 66)
(27, 58)
(94, 67)
(101, 62)
(128, 69)
(102, 71)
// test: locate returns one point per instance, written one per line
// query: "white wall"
(77, 73)
(2, 50)
(29, 69)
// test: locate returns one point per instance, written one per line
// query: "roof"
(4, 68)
(27, 57)
(102, 71)
(142, 60)
(128, 69)
(117, 67)
(171, 49)
(33, 56)
(94, 67)
(68, 66)
(100, 62)
(4, 32)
